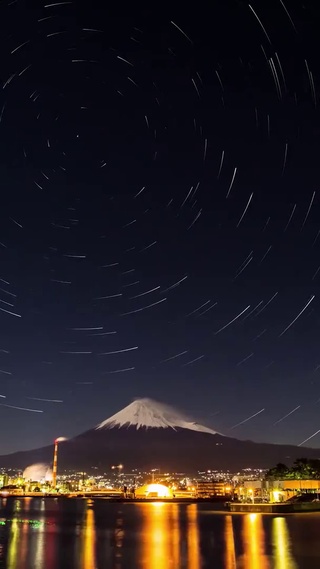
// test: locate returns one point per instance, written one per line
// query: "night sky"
(160, 216)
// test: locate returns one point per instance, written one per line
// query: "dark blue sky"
(99, 104)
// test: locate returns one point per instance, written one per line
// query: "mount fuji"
(147, 434)
(149, 414)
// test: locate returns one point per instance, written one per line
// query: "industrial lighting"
(55, 460)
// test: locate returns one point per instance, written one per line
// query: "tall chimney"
(55, 464)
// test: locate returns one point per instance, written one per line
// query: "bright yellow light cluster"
(154, 491)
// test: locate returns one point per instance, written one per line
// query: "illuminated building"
(276, 490)
(292, 487)
(154, 491)
(213, 489)
(4, 480)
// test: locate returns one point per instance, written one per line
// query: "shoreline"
(221, 507)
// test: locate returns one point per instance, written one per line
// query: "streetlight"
(117, 466)
(55, 460)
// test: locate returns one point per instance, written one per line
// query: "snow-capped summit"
(147, 413)
(146, 435)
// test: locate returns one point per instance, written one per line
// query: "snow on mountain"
(147, 413)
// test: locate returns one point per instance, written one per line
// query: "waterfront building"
(4, 480)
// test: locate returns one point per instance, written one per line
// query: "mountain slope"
(147, 413)
(148, 435)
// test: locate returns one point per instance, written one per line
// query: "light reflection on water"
(230, 552)
(65, 534)
(282, 545)
(193, 537)
(118, 538)
(161, 543)
(254, 543)
(12, 560)
(156, 537)
(89, 538)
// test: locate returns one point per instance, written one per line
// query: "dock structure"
(274, 507)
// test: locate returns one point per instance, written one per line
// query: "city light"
(154, 491)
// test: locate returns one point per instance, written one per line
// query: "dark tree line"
(302, 469)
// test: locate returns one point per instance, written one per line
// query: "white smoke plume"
(39, 472)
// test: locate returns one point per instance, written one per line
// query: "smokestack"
(55, 464)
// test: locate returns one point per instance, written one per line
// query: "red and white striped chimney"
(55, 464)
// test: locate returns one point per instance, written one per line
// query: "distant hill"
(147, 434)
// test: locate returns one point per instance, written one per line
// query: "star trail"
(160, 208)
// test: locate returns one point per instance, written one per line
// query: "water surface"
(37, 533)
